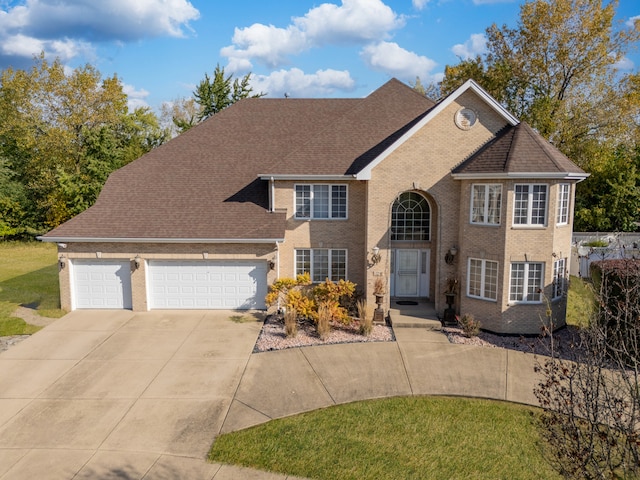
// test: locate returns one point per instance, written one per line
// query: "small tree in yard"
(591, 397)
(470, 326)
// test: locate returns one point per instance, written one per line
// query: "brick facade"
(390, 143)
(423, 164)
(345, 234)
(507, 243)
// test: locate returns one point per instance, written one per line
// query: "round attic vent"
(465, 118)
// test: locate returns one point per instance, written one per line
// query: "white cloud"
(420, 4)
(476, 45)
(624, 64)
(268, 44)
(66, 28)
(106, 19)
(631, 23)
(24, 46)
(296, 83)
(353, 22)
(21, 45)
(394, 60)
(136, 98)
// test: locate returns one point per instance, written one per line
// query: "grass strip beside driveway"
(29, 277)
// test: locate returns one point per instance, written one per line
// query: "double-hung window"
(319, 201)
(563, 204)
(526, 282)
(483, 279)
(559, 278)
(530, 205)
(485, 204)
(322, 263)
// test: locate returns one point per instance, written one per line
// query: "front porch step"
(421, 315)
(408, 322)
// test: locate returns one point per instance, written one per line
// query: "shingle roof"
(518, 149)
(203, 184)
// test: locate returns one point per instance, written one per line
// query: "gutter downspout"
(272, 199)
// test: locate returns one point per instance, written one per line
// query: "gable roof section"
(203, 185)
(469, 85)
(518, 152)
(345, 145)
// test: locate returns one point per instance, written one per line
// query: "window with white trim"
(320, 201)
(559, 278)
(485, 204)
(526, 284)
(322, 263)
(563, 203)
(482, 280)
(530, 204)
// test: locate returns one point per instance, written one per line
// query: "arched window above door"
(410, 218)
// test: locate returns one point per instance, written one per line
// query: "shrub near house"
(618, 285)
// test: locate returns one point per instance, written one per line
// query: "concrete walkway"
(117, 394)
(420, 362)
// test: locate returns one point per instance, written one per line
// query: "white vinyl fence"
(619, 245)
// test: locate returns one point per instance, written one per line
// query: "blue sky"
(161, 49)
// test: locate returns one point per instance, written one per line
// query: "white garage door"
(101, 283)
(207, 284)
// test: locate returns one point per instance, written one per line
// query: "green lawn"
(415, 437)
(28, 276)
(581, 302)
(408, 437)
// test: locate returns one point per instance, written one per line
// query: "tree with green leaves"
(431, 91)
(52, 124)
(13, 204)
(212, 95)
(107, 148)
(609, 199)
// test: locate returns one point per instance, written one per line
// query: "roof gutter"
(306, 178)
(156, 240)
(521, 176)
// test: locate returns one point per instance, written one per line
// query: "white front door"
(410, 275)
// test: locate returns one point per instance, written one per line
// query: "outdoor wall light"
(272, 264)
(451, 255)
(137, 262)
(375, 256)
(61, 262)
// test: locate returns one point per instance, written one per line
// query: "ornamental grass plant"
(365, 317)
(291, 323)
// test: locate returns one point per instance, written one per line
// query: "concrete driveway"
(146, 392)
